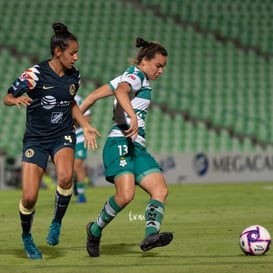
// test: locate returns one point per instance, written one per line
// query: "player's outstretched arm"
(101, 92)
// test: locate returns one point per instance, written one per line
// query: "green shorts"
(121, 156)
(80, 151)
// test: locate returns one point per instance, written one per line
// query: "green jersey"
(140, 97)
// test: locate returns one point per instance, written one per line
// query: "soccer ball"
(255, 240)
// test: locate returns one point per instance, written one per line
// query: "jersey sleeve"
(132, 79)
(114, 83)
(79, 101)
(26, 82)
(87, 113)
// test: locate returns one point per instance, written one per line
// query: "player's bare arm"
(10, 100)
(121, 94)
(90, 133)
(102, 92)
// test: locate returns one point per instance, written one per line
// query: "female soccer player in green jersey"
(126, 160)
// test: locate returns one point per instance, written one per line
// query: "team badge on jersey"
(72, 89)
(29, 153)
(122, 162)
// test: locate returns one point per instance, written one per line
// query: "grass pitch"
(206, 220)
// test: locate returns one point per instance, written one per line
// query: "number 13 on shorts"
(123, 149)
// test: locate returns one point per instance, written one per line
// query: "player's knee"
(165, 192)
(128, 198)
(125, 198)
(28, 202)
(160, 194)
(65, 180)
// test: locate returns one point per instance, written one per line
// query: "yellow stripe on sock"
(64, 192)
(24, 210)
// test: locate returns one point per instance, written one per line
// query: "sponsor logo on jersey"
(48, 102)
(132, 77)
(56, 117)
(47, 87)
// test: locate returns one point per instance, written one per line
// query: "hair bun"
(59, 28)
(140, 42)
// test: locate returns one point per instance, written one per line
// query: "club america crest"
(72, 89)
(29, 153)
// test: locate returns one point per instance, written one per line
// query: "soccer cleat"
(53, 233)
(32, 250)
(156, 240)
(81, 199)
(93, 242)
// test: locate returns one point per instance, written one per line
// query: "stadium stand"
(215, 93)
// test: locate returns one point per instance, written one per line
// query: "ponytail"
(148, 50)
(61, 37)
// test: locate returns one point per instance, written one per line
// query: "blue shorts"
(80, 151)
(121, 156)
(38, 153)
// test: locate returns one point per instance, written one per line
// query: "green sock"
(107, 214)
(153, 215)
(80, 188)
